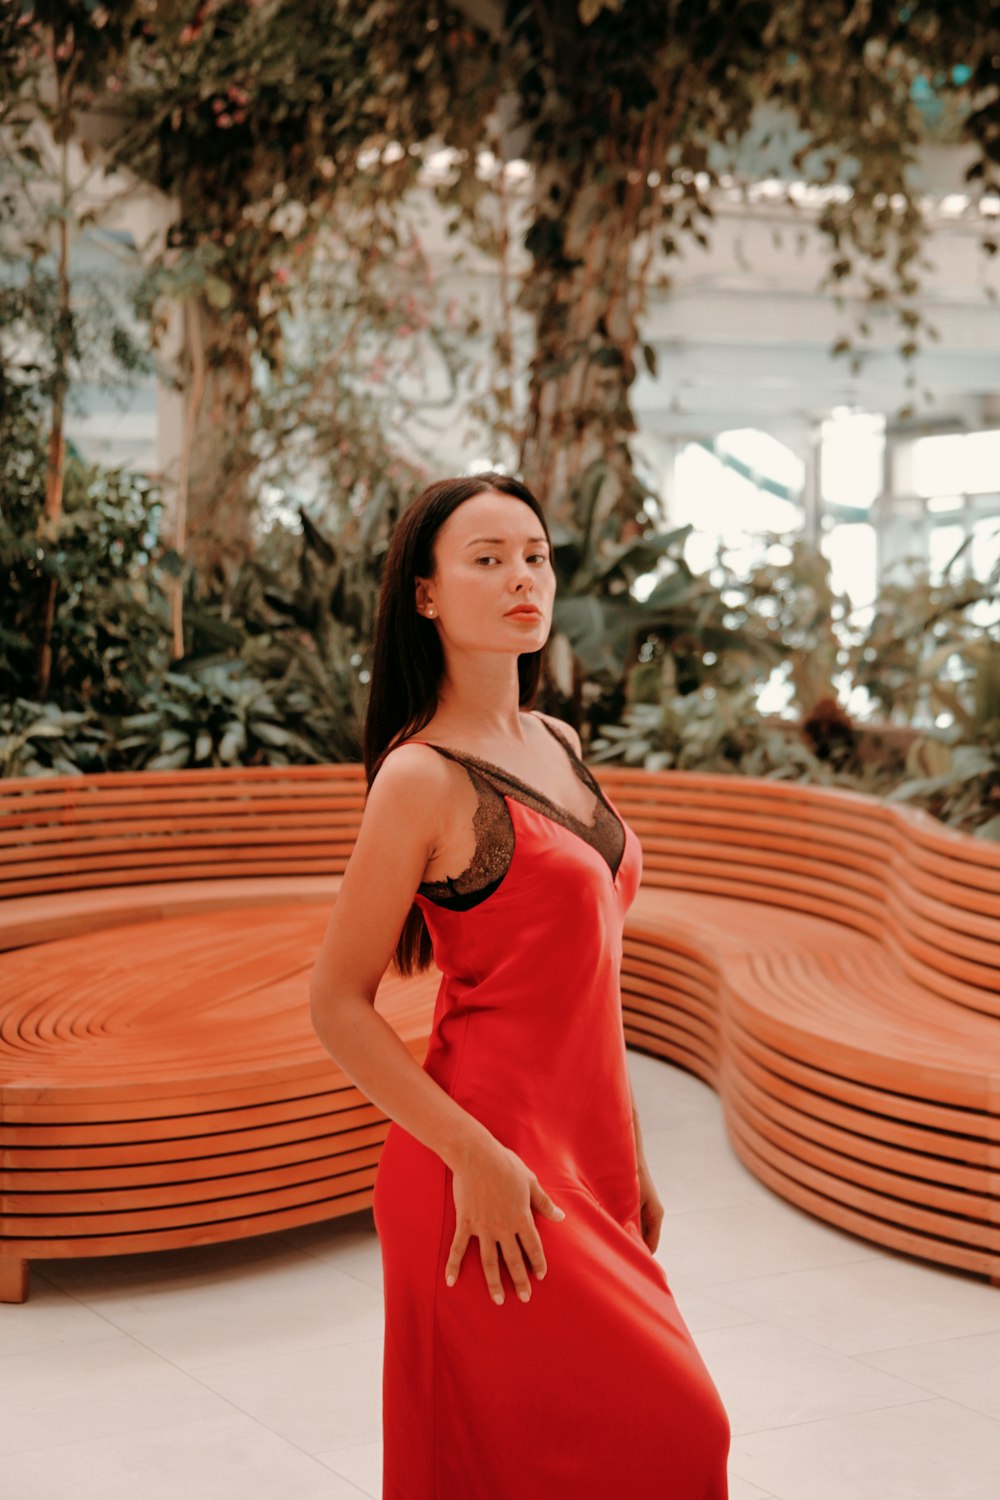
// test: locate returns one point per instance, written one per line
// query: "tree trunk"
(587, 286)
(216, 529)
(56, 463)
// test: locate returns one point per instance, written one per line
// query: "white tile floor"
(252, 1371)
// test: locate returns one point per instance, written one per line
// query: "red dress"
(594, 1388)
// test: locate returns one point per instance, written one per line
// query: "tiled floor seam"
(76, 1442)
(838, 1416)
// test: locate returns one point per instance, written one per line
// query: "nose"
(522, 576)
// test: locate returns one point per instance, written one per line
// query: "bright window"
(966, 462)
(853, 450)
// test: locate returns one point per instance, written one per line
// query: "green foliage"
(274, 667)
(926, 653)
(41, 739)
(306, 605)
(634, 117)
(285, 134)
(958, 783)
(787, 603)
(370, 327)
(588, 86)
(710, 729)
(288, 133)
(44, 340)
(271, 122)
(613, 635)
(217, 716)
(722, 730)
(110, 623)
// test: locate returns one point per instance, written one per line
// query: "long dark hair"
(407, 660)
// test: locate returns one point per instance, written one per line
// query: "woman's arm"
(651, 1209)
(398, 831)
(496, 1193)
(639, 1152)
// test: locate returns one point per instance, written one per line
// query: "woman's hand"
(650, 1208)
(494, 1195)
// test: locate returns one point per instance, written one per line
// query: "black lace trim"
(494, 831)
(494, 835)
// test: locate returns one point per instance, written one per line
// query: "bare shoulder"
(411, 768)
(405, 811)
(561, 727)
(417, 787)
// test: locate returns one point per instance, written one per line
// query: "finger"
(531, 1242)
(515, 1265)
(541, 1200)
(491, 1268)
(455, 1255)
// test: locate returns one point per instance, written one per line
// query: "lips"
(526, 612)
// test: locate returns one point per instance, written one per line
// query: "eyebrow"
(478, 540)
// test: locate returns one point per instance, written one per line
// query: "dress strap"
(456, 755)
(556, 733)
(476, 763)
(580, 766)
(604, 829)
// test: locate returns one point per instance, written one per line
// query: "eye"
(490, 556)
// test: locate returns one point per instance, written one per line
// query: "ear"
(422, 597)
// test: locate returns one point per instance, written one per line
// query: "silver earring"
(430, 609)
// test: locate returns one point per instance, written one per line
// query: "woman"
(485, 836)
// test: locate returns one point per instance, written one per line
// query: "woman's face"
(490, 556)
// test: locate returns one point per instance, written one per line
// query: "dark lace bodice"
(494, 830)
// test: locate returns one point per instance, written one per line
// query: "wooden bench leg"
(13, 1279)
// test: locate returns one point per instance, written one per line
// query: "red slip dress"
(594, 1388)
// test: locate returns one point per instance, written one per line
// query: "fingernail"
(524, 1296)
(498, 1298)
(450, 1279)
(561, 1213)
(541, 1275)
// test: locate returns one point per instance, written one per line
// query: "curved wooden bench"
(160, 1081)
(830, 964)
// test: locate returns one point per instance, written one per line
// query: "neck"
(478, 697)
